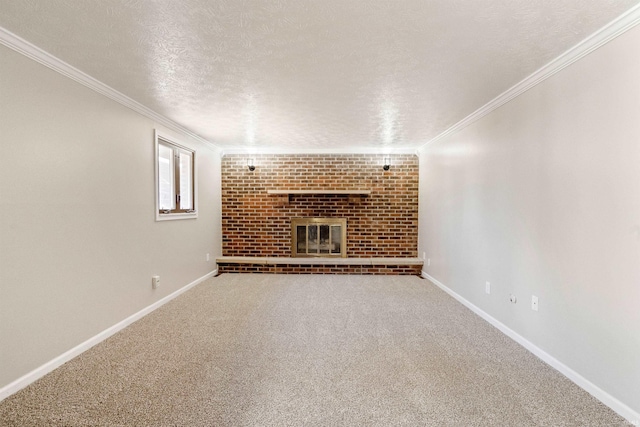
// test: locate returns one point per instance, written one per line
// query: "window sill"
(174, 216)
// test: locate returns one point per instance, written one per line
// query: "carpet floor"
(307, 350)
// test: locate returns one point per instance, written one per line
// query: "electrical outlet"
(534, 303)
(424, 255)
(487, 287)
(428, 262)
(208, 258)
(513, 298)
(155, 281)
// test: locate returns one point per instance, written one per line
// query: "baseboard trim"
(620, 408)
(43, 370)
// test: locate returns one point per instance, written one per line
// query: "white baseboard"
(43, 370)
(623, 410)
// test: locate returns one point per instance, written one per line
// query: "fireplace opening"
(319, 237)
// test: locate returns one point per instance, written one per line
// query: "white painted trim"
(612, 30)
(618, 26)
(174, 216)
(43, 370)
(623, 410)
(29, 50)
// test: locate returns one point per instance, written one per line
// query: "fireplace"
(319, 237)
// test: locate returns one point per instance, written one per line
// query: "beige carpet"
(307, 350)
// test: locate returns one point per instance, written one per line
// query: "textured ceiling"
(310, 74)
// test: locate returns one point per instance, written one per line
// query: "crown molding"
(20, 45)
(33, 52)
(618, 26)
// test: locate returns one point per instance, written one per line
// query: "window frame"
(161, 214)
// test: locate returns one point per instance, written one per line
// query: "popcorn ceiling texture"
(310, 74)
(381, 224)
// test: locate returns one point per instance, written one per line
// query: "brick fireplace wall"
(381, 224)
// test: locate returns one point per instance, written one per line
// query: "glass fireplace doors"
(318, 237)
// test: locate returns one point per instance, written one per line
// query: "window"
(175, 180)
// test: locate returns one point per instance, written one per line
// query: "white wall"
(78, 237)
(542, 197)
